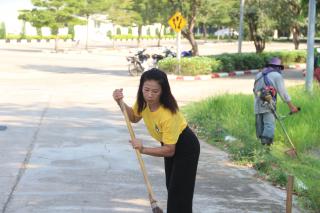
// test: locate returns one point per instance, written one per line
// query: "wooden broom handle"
(143, 168)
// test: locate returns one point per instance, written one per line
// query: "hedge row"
(30, 37)
(190, 66)
(127, 37)
(301, 40)
(229, 62)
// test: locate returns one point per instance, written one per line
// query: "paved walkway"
(66, 150)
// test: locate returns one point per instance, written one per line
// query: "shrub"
(118, 31)
(157, 31)
(123, 37)
(196, 65)
(168, 65)
(109, 34)
(71, 31)
(287, 57)
(232, 62)
(226, 63)
(38, 37)
(190, 66)
(2, 31)
(247, 61)
(126, 37)
(12, 36)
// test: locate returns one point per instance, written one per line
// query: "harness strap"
(267, 81)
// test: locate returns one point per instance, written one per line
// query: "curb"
(296, 66)
(213, 75)
(227, 74)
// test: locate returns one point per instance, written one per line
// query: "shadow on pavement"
(21, 50)
(76, 70)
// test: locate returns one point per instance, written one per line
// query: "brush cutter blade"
(292, 153)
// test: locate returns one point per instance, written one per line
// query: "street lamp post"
(310, 56)
(240, 26)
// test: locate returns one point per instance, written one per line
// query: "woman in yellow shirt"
(179, 145)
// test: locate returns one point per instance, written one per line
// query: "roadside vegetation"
(228, 121)
(20, 37)
(206, 19)
(229, 62)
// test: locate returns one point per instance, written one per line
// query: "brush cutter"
(153, 202)
(293, 151)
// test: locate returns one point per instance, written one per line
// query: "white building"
(98, 29)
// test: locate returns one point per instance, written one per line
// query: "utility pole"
(310, 54)
(240, 26)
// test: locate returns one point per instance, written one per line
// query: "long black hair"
(166, 97)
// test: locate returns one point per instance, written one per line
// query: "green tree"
(130, 31)
(142, 14)
(37, 18)
(71, 31)
(261, 21)
(218, 13)
(139, 13)
(160, 14)
(293, 20)
(91, 7)
(205, 12)
(109, 34)
(190, 10)
(24, 17)
(54, 14)
(118, 31)
(121, 13)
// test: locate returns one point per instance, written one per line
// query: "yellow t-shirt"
(162, 125)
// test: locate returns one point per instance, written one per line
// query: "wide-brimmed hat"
(275, 62)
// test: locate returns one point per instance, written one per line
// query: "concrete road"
(66, 146)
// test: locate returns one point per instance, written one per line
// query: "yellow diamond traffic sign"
(177, 22)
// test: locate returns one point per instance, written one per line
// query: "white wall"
(97, 32)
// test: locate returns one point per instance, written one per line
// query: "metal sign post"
(178, 22)
(179, 50)
(240, 26)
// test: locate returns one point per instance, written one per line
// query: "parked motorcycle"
(156, 58)
(166, 53)
(138, 63)
(169, 53)
(186, 53)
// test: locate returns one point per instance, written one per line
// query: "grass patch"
(232, 115)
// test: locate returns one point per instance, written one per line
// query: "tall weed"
(232, 115)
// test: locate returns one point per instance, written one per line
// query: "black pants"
(181, 170)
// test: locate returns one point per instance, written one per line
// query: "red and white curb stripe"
(213, 75)
(297, 66)
(226, 74)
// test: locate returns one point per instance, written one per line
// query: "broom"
(153, 202)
